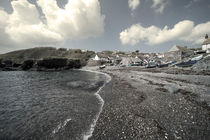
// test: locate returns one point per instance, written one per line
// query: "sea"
(61, 105)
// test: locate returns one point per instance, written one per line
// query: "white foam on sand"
(89, 133)
(61, 125)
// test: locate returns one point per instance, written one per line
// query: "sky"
(98, 25)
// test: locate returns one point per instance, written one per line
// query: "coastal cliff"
(44, 58)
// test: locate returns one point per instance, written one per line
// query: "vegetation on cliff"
(46, 57)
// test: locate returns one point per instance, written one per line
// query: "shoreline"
(89, 133)
(151, 104)
(147, 105)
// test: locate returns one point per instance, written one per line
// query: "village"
(177, 56)
(50, 58)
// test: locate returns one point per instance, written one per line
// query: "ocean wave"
(89, 133)
(61, 125)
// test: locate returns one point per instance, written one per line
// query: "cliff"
(45, 57)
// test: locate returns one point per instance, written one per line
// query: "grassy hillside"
(45, 52)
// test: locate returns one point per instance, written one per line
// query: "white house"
(206, 44)
(96, 58)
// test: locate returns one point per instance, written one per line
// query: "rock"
(28, 64)
(8, 63)
(52, 63)
(15, 65)
(1, 64)
(74, 63)
(171, 89)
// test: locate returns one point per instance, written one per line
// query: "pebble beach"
(154, 105)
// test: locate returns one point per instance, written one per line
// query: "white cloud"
(133, 4)
(79, 19)
(182, 31)
(24, 26)
(159, 5)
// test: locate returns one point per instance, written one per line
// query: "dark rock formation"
(8, 63)
(28, 64)
(77, 57)
(16, 65)
(74, 63)
(52, 63)
(1, 65)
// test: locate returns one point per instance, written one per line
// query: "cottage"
(206, 44)
(127, 61)
(136, 60)
(185, 52)
(96, 58)
(176, 53)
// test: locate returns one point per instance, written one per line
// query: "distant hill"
(46, 52)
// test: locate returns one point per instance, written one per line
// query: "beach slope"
(147, 105)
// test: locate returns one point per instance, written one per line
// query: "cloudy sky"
(127, 25)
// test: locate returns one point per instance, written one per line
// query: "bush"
(62, 49)
(75, 51)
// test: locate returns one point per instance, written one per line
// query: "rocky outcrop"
(16, 65)
(52, 63)
(59, 63)
(28, 64)
(40, 53)
(1, 65)
(74, 63)
(7, 63)
(45, 64)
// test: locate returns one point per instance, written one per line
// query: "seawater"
(49, 105)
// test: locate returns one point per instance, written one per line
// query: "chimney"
(206, 37)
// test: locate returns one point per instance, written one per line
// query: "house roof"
(179, 48)
(206, 42)
(96, 57)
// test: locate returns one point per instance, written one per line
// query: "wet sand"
(151, 104)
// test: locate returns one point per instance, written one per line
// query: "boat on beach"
(102, 67)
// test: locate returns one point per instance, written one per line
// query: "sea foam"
(61, 125)
(89, 133)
